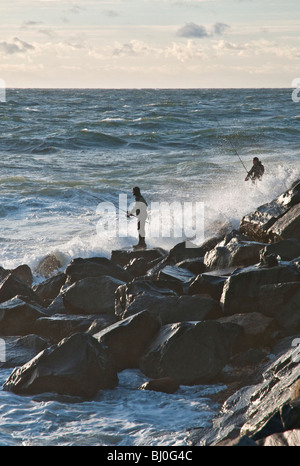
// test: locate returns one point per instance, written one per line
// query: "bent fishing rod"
(230, 142)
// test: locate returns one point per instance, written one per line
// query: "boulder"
(47, 266)
(208, 284)
(124, 257)
(187, 250)
(281, 301)
(59, 326)
(164, 385)
(95, 267)
(20, 350)
(172, 272)
(190, 352)
(128, 338)
(287, 249)
(259, 330)
(77, 366)
(248, 411)
(287, 226)
(12, 286)
(290, 415)
(241, 289)
(148, 288)
(196, 265)
(22, 272)
(258, 225)
(290, 438)
(49, 289)
(91, 295)
(18, 317)
(172, 309)
(137, 267)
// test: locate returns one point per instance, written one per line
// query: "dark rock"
(13, 286)
(196, 266)
(49, 289)
(209, 284)
(172, 272)
(187, 250)
(20, 350)
(242, 441)
(268, 260)
(288, 226)
(172, 309)
(289, 438)
(287, 249)
(149, 288)
(18, 317)
(249, 357)
(164, 385)
(290, 415)
(236, 252)
(190, 352)
(124, 257)
(128, 338)
(47, 266)
(59, 326)
(23, 273)
(250, 408)
(77, 366)
(259, 224)
(281, 301)
(241, 289)
(259, 330)
(79, 269)
(137, 267)
(91, 295)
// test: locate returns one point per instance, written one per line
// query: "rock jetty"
(225, 312)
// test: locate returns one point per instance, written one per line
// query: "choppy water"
(65, 151)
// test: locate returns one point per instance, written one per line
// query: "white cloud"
(15, 46)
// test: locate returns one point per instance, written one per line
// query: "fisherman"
(256, 171)
(139, 210)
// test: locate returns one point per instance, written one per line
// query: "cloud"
(192, 30)
(16, 46)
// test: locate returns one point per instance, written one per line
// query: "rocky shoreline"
(227, 311)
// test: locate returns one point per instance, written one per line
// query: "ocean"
(67, 158)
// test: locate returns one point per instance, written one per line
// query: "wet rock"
(59, 326)
(18, 317)
(164, 385)
(289, 438)
(281, 301)
(251, 408)
(124, 257)
(290, 415)
(196, 266)
(188, 250)
(79, 269)
(172, 272)
(12, 286)
(148, 288)
(172, 309)
(137, 267)
(77, 366)
(190, 352)
(20, 350)
(91, 295)
(259, 330)
(260, 224)
(241, 289)
(128, 338)
(287, 249)
(47, 266)
(49, 289)
(208, 284)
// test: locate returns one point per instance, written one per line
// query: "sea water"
(64, 153)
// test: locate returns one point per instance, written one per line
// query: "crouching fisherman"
(256, 171)
(139, 210)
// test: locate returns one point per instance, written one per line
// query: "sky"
(149, 43)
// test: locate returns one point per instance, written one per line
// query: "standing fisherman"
(256, 171)
(139, 210)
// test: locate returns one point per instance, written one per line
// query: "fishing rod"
(234, 149)
(119, 208)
